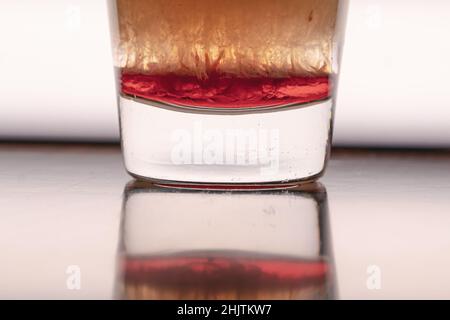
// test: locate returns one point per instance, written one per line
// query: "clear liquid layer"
(232, 147)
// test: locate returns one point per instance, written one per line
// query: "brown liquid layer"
(243, 39)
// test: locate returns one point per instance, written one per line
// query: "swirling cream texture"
(244, 38)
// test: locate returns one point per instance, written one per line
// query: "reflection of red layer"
(225, 271)
(226, 92)
(228, 186)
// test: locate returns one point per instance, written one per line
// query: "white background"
(56, 76)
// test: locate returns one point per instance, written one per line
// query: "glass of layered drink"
(227, 93)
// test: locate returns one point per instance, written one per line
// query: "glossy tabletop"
(62, 213)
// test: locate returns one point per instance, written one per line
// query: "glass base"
(222, 149)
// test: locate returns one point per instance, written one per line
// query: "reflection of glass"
(227, 92)
(217, 245)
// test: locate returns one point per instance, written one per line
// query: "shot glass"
(227, 93)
